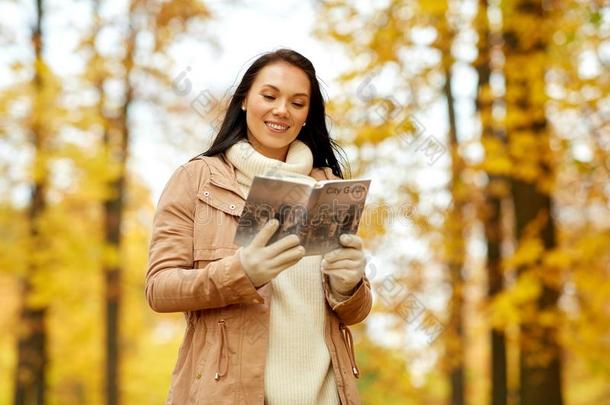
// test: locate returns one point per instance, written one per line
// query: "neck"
(272, 153)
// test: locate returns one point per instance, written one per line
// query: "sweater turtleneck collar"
(249, 162)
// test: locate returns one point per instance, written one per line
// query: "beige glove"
(345, 266)
(262, 263)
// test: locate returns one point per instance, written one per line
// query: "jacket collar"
(222, 174)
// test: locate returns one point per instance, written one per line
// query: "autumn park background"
(482, 123)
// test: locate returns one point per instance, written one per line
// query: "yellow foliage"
(528, 253)
(557, 258)
(540, 133)
(513, 305)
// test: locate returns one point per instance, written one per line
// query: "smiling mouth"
(276, 127)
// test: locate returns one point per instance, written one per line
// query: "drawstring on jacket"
(223, 343)
(346, 334)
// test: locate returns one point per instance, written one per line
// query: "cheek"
(254, 118)
(301, 116)
(257, 110)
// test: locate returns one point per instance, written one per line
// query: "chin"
(277, 142)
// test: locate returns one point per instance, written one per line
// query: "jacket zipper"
(222, 350)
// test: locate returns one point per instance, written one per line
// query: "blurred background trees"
(483, 124)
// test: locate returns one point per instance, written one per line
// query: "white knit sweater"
(298, 368)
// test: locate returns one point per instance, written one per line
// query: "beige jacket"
(194, 268)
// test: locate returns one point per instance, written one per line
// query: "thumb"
(263, 236)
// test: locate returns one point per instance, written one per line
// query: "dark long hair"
(314, 134)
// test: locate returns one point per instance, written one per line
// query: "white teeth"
(275, 126)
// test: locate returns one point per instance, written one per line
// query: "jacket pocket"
(185, 348)
(214, 362)
(203, 351)
(221, 199)
(213, 382)
(217, 213)
(199, 336)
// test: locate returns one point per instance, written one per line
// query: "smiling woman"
(265, 324)
(276, 108)
(286, 79)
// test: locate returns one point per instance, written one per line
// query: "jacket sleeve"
(172, 284)
(356, 307)
(350, 309)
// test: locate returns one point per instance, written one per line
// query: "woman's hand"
(262, 263)
(345, 266)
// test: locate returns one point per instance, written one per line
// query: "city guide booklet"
(318, 212)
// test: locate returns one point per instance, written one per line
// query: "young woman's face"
(276, 108)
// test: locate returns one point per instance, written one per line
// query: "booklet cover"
(318, 212)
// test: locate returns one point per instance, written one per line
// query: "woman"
(265, 324)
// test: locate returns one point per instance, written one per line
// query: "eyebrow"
(276, 89)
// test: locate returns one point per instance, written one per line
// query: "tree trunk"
(456, 256)
(32, 337)
(455, 246)
(116, 142)
(492, 210)
(454, 243)
(540, 354)
(539, 382)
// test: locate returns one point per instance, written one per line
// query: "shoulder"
(190, 177)
(198, 167)
(201, 169)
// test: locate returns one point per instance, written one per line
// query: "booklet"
(318, 212)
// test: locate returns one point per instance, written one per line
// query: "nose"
(280, 109)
